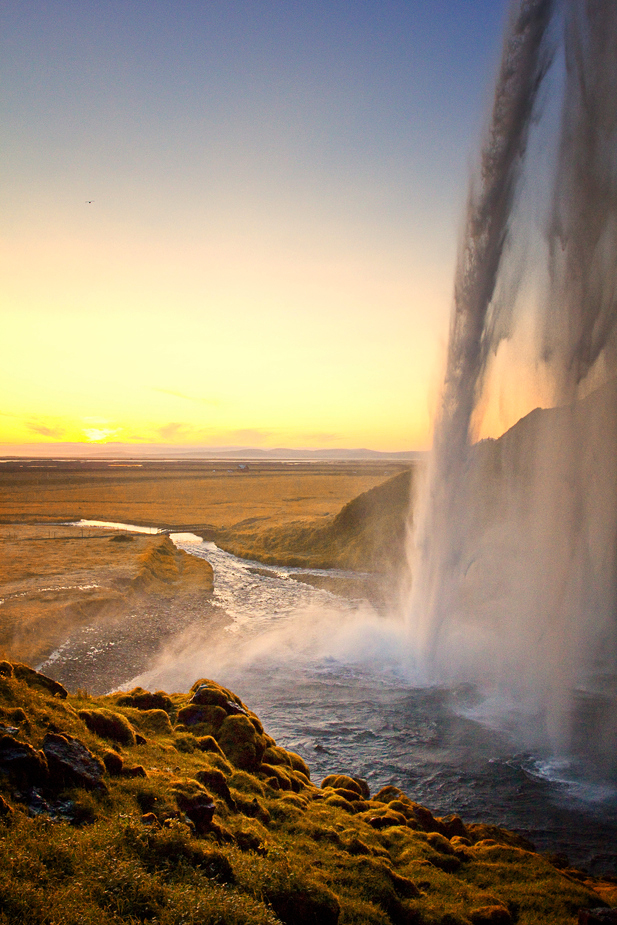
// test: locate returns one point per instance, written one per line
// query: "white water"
(515, 558)
(108, 525)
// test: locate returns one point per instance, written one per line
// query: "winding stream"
(329, 677)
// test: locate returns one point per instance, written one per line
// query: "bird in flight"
(89, 201)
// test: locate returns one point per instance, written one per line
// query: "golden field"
(179, 495)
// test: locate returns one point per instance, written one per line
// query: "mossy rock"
(154, 722)
(197, 714)
(145, 700)
(297, 904)
(344, 782)
(241, 742)
(109, 725)
(209, 744)
(276, 776)
(274, 754)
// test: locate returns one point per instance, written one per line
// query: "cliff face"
(180, 808)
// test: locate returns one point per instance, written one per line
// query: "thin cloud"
(45, 431)
(192, 398)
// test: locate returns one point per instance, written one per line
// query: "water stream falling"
(515, 554)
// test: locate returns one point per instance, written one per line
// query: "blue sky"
(277, 192)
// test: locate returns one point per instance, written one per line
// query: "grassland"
(60, 582)
(181, 810)
(182, 495)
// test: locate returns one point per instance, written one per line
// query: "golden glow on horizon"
(225, 343)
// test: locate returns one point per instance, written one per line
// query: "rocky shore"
(180, 808)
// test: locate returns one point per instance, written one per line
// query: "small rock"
(490, 915)
(137, 771)
(150, 819)
(601, 916)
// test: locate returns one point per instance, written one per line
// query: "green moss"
(179, 847)
(109, 725)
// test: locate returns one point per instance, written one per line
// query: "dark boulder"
(71, 763)
(23, 764)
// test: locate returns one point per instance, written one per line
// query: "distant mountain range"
(161, 451)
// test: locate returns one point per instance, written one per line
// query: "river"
(329, 677)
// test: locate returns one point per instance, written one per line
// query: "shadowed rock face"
(71, 763)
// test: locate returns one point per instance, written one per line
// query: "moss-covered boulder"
(109, 725)
(241, 742)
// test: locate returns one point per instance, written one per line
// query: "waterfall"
(514, 556)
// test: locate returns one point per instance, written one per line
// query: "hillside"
(181, 810)
(367, 534)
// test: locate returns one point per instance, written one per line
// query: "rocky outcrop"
(71, 763)
(164, 825)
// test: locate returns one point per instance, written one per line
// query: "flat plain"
(182, 494)
(113, 604)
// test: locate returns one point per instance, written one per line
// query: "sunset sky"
(233, 222)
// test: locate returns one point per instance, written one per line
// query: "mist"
(514, 549)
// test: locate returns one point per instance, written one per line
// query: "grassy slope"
(278, 848)
(51, 588)
(368, 534)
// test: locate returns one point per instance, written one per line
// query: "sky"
(233, 222)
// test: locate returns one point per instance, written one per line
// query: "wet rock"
(71, 763)
(21, 762)
(37, 680)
